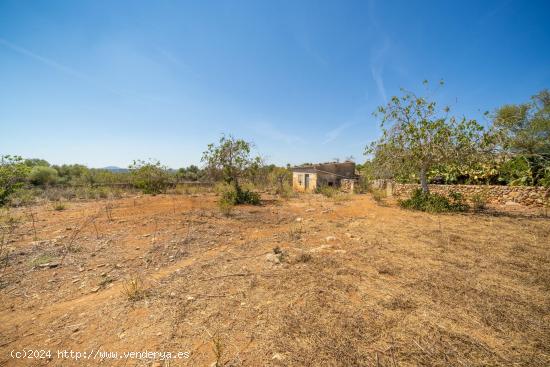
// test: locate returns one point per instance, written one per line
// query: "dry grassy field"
(310, 281)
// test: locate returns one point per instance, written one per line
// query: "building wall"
(328, 179)
(298, 181)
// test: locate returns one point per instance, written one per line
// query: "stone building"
(307, 178)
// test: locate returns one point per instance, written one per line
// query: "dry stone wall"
(524, 195)
(347, 185)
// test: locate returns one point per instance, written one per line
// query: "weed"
(226, 206)
(378, 195)
(218, 347)
(327, 191)
(59, 206)
(285, 191)
(399, 302)
(109, 211)
(69, 245)
(546, 203)
(304, 257)
(8, 228)
(281, 254)
(134, 289)
(333, 193)
(32, 215)
(41, 260)
(386, 269)
(342, 196)
(105, 281)
(479, 202)
(295, 232)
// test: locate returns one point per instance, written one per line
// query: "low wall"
(347, 185)
(524, 195)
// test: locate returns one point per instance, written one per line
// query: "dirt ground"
(307, 282)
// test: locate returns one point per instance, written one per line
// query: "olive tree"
(417, 136)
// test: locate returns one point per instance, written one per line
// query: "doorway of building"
(306, 181)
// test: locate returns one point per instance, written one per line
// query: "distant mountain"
(115, 169)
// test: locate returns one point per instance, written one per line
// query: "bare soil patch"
(305, 282)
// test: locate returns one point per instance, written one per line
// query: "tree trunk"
(424, 180)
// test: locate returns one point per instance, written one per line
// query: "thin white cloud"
(378, 61)
(70, 71)
(336, 132)
(377, 72)
(52, 63)
(269, 131)
(378, 58)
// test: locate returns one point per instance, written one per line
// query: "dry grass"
(134, 289)
(406, 289)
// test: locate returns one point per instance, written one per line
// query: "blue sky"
(105, 82)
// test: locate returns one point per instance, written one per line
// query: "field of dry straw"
(310, 281)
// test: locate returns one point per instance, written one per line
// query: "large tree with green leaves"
(230, 159)
(417, 136)
(524, 128)
(522, 133)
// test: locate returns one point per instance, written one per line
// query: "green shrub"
(435, 203)
(226, 206)
(13, 173)
(247, 197)
(21, 197)
(42, 176)
(149, 176)
(457, 202)
(237, 195)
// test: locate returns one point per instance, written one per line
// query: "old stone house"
(307, 178)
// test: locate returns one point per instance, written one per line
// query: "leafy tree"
(524, 130)
(43, 175)
(149, 176)
(13, 173)
(230, 159)
(32, 162)
(73, 174)
(417, 136)
(191, 173)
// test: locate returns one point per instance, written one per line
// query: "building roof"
(341, 169)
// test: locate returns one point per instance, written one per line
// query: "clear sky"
(103, 82)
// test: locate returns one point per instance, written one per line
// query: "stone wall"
(347, 185)
(524, 195)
